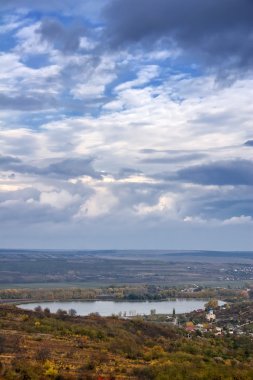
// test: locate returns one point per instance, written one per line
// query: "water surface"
(108, 308)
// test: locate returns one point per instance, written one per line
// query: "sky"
(126, 124)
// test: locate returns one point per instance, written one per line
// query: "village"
(225, 320)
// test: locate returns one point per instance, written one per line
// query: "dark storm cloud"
(62, 37)
(69, 168)
(218, 32)
(235, 172)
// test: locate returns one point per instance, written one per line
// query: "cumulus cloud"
(58, 199)
(101, 203)
(167, 204)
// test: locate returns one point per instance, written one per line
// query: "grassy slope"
(35, 346)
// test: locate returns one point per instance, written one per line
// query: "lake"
(108, 308)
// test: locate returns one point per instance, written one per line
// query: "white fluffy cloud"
(59, 200)
(99, 204)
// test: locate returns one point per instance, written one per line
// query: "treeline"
(140, 292)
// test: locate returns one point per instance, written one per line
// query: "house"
(218, 331)
(189, 327)
(210, 316)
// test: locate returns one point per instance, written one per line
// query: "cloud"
(127, 172)
(87, 9)
(167, 205)
(47, 201)
(30, 212)
(216, 32)
(234, 172)
(24, 206)
(6, 160)
(45, 5)
(72, 167)
(25, 88)
(144, 76)
(64, 38)
(239, 220)
(228, 207)
(93, 108)
(216, 203)
(59, 199)
(98, 74)
(10, 23)
(5, 4)
(101, 203)
(34, 102)
(173, 158)
(68, 168)
(19, 195)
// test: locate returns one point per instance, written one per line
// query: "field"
(96, 268)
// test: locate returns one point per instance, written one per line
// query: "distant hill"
(123, 267)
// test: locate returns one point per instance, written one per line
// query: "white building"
(210, 316)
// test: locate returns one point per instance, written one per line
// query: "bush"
(43, 354)
(2, 344)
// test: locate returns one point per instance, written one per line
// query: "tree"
(47, 312)
(38, 309)
(212, 304)
(72, 312)
(61, 314)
